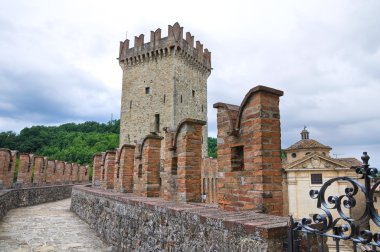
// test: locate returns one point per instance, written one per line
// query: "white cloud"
(324, 56)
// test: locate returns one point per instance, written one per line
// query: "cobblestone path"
(47, 227)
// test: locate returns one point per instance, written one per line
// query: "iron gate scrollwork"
(343, 227)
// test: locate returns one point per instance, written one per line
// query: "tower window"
(316, 179)
(157, 122)
(140, 171)
(237, 158)
(181, 98)
(130, 105)
(193, 93)
(174, 165)
(147, 90)
(202, 108)
(164, 98)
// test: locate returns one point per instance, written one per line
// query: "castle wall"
(25, 169)
(38, 170)
(6, 168)
(249, 161)
(133, 223)
(51, 172)
(107, 181)
(146, 174)
(124, 169)
(97, 169)
(34, 171)
(209, 168)
(74, 174)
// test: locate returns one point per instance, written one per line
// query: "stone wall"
(14, 198)
(133, 223)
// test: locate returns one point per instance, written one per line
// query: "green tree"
(212, 147)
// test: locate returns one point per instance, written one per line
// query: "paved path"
(47, 227)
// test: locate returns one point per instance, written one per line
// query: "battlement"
(174, 43)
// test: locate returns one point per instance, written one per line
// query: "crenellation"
(23, 170)
(190, 39)
(174, 43)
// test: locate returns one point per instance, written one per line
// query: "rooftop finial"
(304, 133)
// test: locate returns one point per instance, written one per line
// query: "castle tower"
(164, 82)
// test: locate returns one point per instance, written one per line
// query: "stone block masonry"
(134, 223)
(164, 81)
(14, 198)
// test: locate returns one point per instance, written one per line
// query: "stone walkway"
(47, 227)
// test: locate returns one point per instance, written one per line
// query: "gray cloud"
(324, 56)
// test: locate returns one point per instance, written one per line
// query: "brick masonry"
(28, 170)
(249, 153)
(124, 168)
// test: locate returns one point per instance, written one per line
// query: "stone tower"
(164, 82)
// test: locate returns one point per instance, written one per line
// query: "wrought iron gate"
(310, 234)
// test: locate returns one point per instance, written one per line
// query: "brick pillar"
(86, 174)
(74, 175)
(38, 170)
(188, 145)
(209, 169)
(6, 169)
(124, 169)
(50, 172)
(97, 169)
(249, 156)
(147, 167)
(109, 169)
(169, 177)
(24, 176)
(67, 173)
(81, 170)
(59, 172)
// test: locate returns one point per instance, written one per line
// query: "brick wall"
(124, 168)
(209, 173)
(97, 169)
(181, 179)
(26, 170)
(249, 161)
(107, 181)
(6, 168)
(38, 168)
(146, 174)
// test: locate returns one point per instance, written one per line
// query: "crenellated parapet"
(23, 170)
(157, 47)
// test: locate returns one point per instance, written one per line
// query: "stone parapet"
(133, 223)
(14, 198)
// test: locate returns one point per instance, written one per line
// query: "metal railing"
(343, 227)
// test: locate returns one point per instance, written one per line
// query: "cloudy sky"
(58, 61)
